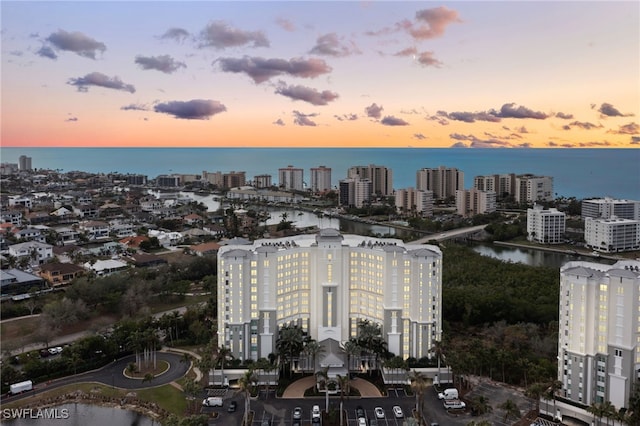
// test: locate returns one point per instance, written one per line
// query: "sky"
(508, 74)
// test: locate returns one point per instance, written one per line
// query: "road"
(113, 375)
(454, 233)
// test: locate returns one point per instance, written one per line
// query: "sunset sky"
(321, 74)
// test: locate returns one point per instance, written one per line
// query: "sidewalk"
(297, 388)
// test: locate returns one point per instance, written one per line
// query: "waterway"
(304, 219)
(81, 415)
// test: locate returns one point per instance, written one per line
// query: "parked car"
(212, 401)
(379, 412)
(232, 406)
(362, 421)
(297, 413)
(315, 412)
(453, 404)
(397, 411)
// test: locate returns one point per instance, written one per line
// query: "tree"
(419, 383)
(597, 409)
(536, 391)
(345, 389)
(289, 343)
(351, 349)
(192, 389)
(480, 405)
(438, 351)
(510, 410)
(224, 354)
(313, 349)
(245, 386)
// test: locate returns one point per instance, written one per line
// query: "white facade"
(598, 341)
(38, 253)
(545, 226)
(609, 207)
(320, 179)
(326, 283)
(417, 201)
(612, 235)
(355, 192)
(530, 188)
(472, 202)
(291, 178)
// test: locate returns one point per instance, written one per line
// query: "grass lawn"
(166, 396)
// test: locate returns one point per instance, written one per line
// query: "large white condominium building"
(443, 181)
(355, 192)
(291, 178)
(472, 202)
(608, 207)
(326, 283)
(599, 334)
(545, 226)
(414, 201)
(381, 178)
(320, 179)
(525, 188)
(612, 235)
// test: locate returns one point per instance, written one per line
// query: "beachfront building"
(443, 181)
(608, 207)
(168, 181)
(473, 201)
(381, 178)
(545, 226)
(354, 192)
(598, 349)
(321, 179)
(326, 284)
(612, 235)
(503, 185)
(24, 163)
(531, 188)
(291, 178)
(262, 181)
(412, 201)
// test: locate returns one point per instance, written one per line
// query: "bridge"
(453, 234)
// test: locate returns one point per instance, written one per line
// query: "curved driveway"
(113, 375)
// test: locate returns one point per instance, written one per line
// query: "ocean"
(579, 173)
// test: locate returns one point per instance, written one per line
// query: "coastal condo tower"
(599, 334)
(326, 283)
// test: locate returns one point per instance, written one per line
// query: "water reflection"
(527, 256)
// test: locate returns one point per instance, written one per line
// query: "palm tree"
(351, 349)
(597, 409)
(192, 389)
(480, 405)
(290, 343)
(419, 384)
(554, 386)
(223, 355)
(324, 384)
(510, 410)
(345, 388)
(438, 351)
(245, 385)
(313, 349)
(609, 410)
(535, 391)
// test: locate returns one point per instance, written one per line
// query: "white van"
(212, 401)
(451, 393)
(454, 404)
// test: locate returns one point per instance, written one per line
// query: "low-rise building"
(15, 282)
(106, 267)
(58, 274)
(612, 235)
(37, 253)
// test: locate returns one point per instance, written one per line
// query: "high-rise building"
(545, 226)
(381, 178)
(412, 200)
(326, 284)
(612, 235)
(598, 349)
(233, 179)
(262, 181)
(472, 202)
(503, 185)
(167, 181)
(136, 179)
(320, 179)
(354, 192)
(608, 207)
(291, 178)
(531, 188)
(443, 181)
(24, 163)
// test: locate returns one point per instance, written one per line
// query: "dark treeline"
(500, 318)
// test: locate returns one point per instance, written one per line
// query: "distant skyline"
(539, 74)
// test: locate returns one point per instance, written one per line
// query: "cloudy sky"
(321, 74)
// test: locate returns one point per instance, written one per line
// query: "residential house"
(58, 274)
(134, 241)
(215, 230)
(94, 229)
(66, 234)
(144, 260)
(29, 234)
(15, 282)
(205, 249)
(166, 239)
(65, 254)
(122, 229)
(193, 219)
(86, 211)
(106, 267)
(63, 215)
(38, 218)
(13, 216)
(37, 252)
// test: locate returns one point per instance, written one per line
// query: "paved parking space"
(496, 395)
